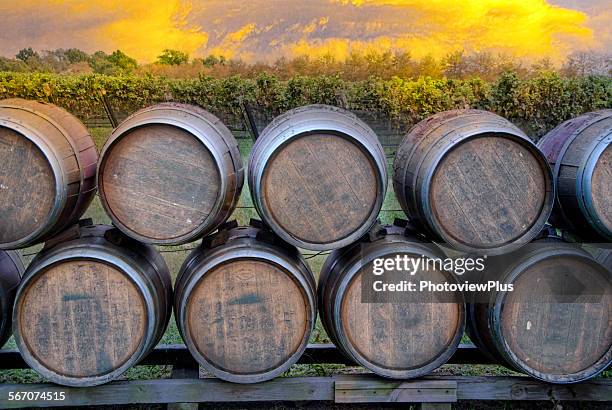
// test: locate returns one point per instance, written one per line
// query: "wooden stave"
(11, 270)
(232, 244)
(573, 209)
(483, 319)
(342, 262)
(103, 243)
(302, 121)
(427, 143)
(220, 142)
(63, 139)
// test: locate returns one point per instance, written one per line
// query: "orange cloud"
(267, 30)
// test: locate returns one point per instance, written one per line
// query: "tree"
(122, 61)
(173, 57)
(26, 53)
(74, 55)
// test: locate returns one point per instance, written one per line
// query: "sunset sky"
(268, 29)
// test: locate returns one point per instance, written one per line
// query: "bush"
(537, 104)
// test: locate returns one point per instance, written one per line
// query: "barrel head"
(601, 188)
(402, 338)
(80, 320)
(159, 182)
(557, 321)
(27, 187)
(247, 318)
(488, 191)
(320, 188)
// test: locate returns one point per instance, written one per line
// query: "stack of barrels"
(97, 298)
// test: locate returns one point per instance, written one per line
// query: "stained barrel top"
(27, 186)
(160, 181)
(557, 318)
(320, 188)
(247, 317)
(82, 318)
(398, 336)
(487, 191)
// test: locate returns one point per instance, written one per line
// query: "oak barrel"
(170, 174)
(399, 337)
(580, 153)
(245, 304)
(318, 177)
(473, 180)
(11, 269)
(91, 306)
(556, 322)
(47, 171)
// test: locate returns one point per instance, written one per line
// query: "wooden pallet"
(186, 386)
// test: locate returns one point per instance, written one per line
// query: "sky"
(264, 30)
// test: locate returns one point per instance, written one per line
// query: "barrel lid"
(107, 326)
(490, 191)
(554, 325)
(247, 319)
(159, 182)
(27, 187)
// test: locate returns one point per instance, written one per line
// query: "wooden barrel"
(318, 177)
(397, 338)
(47, 171)
(472, 179)
(580, 154)
(11, 269)
(604, 256)
(170, 174)
(556, 323)
(245, 304)
(91, 306)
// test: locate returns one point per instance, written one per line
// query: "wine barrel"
(473, 180)
(397, 338)
(604, 256)
(91, 306)
(556, 322)
(580, 154)
(47, 171)
(245, 304)
(170, 174)
(11, 269)
(318, 177)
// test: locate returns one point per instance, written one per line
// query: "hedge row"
(537, 104)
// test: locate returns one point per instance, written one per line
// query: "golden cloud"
(264, 29)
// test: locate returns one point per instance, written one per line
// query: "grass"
(175, 256)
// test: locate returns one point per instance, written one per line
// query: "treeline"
(357, 67)
(537, 104)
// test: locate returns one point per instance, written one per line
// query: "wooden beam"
(364, 390)
(177, 354)
(292, 389)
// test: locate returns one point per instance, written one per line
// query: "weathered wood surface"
(170, 174)
(160, 181)
(472, 179)
(81, 317)
(419, 391)
(402, 336)
(318, 176)
(299, 389)
(47, 171)
(320, 188)
(556, 324)
(245, 306)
